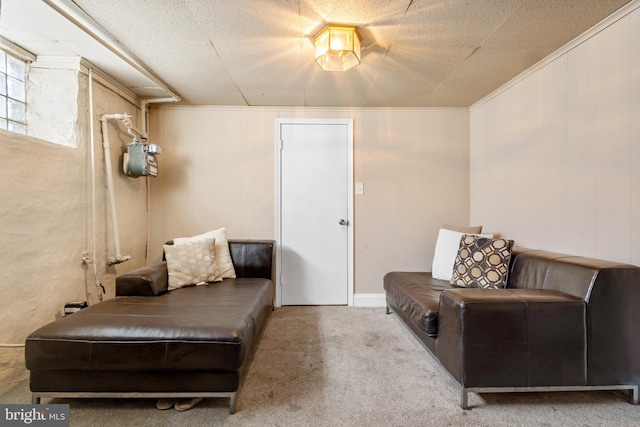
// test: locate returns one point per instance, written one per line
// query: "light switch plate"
(359, 188)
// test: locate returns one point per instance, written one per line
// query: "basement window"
(13, 93)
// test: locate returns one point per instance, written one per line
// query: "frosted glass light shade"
(337, 47)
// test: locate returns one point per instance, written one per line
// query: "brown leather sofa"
(563, 323)
(196, 341)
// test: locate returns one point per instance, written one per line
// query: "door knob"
(343, 222)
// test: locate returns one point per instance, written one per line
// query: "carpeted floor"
(345, 366)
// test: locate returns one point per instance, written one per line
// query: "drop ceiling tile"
(201, 78)
(550, 24)
(258, 43)
(357, 12)
(226, 21)
(273, 95)
(407, 78)
(160, 20)
(329, 88)
(262, 59)
(461, 23)
(481, 73)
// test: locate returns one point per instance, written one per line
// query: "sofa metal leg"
(464, 401)
(35, 399)
(388, 310)
(232, 403)
(633, 395)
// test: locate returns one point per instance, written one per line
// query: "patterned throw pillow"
(191, 263)
(482, 262)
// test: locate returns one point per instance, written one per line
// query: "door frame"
(350, 216)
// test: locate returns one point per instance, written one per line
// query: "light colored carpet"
(345, 366)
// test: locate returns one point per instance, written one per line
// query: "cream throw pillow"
(446, 251)
(223, 255)
(191, 263)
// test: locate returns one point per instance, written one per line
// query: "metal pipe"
(132, 130)
(99, 287)
(112, 199)
(144, 105)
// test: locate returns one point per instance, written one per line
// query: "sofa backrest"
(575, 275)
(253, 258)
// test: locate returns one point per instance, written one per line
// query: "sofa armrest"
(512, 337)
(151, 280)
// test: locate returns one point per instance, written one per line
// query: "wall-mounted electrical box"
(74, 306)
(140, 159)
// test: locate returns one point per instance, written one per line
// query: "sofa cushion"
(223, 256)
(417, 295)
(482, 262)
(192, 328)
(191, 263)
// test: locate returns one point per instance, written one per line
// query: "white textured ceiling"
(416, 53)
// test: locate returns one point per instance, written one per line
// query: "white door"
(315, 211)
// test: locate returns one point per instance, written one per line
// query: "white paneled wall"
(218, 169)
(555, 156)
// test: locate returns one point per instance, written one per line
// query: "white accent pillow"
(472, 229)
(191, 263)
(446, 251)
(223, 255)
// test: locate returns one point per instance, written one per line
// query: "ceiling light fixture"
(337, 47)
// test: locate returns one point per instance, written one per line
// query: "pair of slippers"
(178, 404)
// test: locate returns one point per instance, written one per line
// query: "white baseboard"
(369, 300)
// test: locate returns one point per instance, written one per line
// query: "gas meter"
(140, 159)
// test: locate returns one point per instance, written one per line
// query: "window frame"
(12, 52)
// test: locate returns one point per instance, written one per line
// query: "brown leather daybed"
(196, 341)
